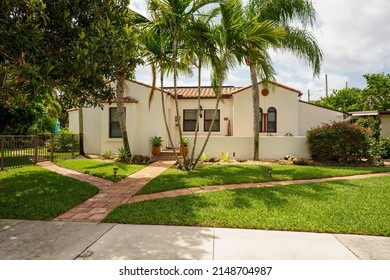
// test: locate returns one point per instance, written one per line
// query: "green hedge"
(338, 141)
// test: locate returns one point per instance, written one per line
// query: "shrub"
(338, 141)
(380, 148)
(203, 157)
(65, 142)
(225, 156)
(123, 155)
(108, 155)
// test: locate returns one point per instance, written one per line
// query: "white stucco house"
(284, 121)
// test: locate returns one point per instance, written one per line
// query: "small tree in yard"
(338, 141)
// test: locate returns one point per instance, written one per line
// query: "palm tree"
(242, 36)
(176, 18)
(200, 50)
(297, 40)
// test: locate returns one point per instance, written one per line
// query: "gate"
(23, 150)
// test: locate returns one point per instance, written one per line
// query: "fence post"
(2, 153)
(35, 137)
(51, 148)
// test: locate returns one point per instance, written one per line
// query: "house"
(284, 121)
(382, 115)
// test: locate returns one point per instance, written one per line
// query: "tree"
(177, 15)
(241, 37)
(346, 100)
(377, 92)
(299, 41)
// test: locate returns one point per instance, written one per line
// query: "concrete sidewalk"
(54, 240)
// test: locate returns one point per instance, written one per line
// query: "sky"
(354, 36)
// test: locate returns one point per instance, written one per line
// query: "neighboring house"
(382, 115)
(284, 121)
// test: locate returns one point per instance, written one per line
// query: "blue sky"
(354, 36)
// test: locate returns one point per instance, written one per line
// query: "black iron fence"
(22, 150)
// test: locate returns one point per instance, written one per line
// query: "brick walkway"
(96, 208)
(206, 189)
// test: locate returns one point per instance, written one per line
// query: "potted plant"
(156, 142)
(183, 142)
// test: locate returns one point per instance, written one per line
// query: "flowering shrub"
(338, 141)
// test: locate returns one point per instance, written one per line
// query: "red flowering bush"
(338, 141)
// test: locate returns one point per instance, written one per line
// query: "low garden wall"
(271, 147)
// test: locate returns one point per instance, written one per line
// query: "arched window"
(271, 119)
(261, 120)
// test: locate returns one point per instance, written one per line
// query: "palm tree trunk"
(256, 109)
(164, 110)
(120, 90)
(197, 114)
(174, 47)
(221, 79)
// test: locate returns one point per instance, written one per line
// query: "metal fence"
(23, 150)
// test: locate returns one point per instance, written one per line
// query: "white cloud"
(353, 34)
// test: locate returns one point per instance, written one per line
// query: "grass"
(37, 194)
(206, 175)
(358, 206)
(101, 169)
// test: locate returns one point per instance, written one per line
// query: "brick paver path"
(188, 191)
(96, 208)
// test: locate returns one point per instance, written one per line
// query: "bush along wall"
(339, 141)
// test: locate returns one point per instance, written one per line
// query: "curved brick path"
(96, 208)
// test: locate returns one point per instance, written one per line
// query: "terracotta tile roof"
(206, 92)
(272, 83)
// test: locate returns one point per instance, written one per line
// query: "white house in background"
(284, 121)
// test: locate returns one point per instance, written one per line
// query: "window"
(115, 129)
(208, 117)
(189, 122)
(271, 119)
(261, 120)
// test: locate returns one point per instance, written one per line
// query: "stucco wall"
(271, 147)
(311, 116)
(385, 125)
(283, 100)
(92, 128)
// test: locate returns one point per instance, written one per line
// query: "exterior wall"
(311, 116)
(92, 128)
(225, 109)
(271, 147)
(283, 100)
(385, 124)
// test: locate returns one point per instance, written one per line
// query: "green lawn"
(206, 175)
(101, 169)
(344, 206)
(35, 193)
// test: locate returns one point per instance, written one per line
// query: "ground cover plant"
(207, 175)
(35, 193)
(101, 169)
(359, 206)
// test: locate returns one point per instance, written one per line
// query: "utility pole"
(308, 95)
(326, 84)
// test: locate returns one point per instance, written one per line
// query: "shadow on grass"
(31, 193)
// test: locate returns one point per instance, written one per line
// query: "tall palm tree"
(297, 40)
(200, 50)
(176, 18)
(242, 36)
